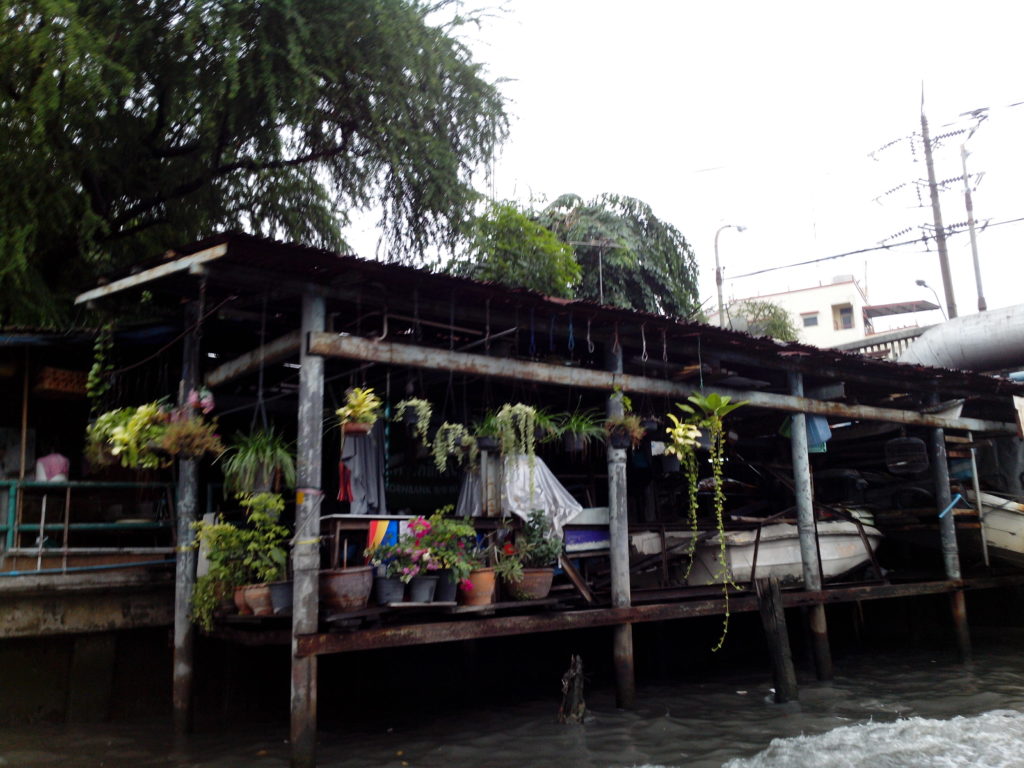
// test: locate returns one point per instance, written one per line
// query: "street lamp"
(718, 272)
(923, 284)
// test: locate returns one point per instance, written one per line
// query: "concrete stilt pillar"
(185, 557)
(306, 546)
(808, 533)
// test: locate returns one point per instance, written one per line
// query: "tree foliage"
(126, 127)
(637, 260)
(507, 247)
(759, 317)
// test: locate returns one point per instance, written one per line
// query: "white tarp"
(523, 490)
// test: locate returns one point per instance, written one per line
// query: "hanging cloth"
(363, 456)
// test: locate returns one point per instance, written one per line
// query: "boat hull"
(778, 553)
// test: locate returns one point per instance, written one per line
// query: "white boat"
(1003, 523)
(778, 553)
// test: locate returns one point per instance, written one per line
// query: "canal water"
(902, 708)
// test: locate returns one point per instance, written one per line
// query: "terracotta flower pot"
(535, 584)
(240, 602)
(356, 428)
(483, 586)
(257, 596)
(346, 589)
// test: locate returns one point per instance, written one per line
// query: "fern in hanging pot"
(581, 429)
(454, 444)
(261, 460)
(517, 429)
(415, 413)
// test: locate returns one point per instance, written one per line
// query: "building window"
(810, 320)
(842, 316)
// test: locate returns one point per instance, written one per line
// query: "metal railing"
(69, 518)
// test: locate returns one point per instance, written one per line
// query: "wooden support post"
(306, 547)
(185, 559)
(947, 533)
(773, 619)
(808, 532)
(618, 528)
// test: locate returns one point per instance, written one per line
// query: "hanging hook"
(643, 338)
(533, 335)
(590, 344)
(487, 326)
(384, 332)
(616, 346)
(664, 346)
(571, 344)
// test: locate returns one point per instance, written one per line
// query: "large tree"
(130, 125)
(628, 255)
(506, 246)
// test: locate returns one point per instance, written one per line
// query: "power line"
(915, 241)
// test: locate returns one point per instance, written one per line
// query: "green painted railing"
(10, 528)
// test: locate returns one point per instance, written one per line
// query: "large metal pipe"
(987, 341)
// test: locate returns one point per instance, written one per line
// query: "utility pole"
(982, 306)
(940, 231)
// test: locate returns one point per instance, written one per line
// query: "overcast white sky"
(764, 114)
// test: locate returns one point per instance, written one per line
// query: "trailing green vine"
(97, 384)
(423, 410)
(453, 442)
(707, 412)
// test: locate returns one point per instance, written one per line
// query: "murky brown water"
(898, 710)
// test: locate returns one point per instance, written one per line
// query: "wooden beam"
(410, 355)
(185, 263)
(275, 351)
(557, 621)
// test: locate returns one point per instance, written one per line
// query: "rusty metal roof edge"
(726, 337)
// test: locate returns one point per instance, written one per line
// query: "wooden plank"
(275, 351)
(183, 264)
(358, 348)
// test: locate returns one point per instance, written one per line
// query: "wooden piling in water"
(808, 533)
(773, 619)
(618, 529)
(306, 546)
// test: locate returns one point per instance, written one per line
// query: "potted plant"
(360, 412)
(450, 541)
(189, 435)
(411, 561)
(580, 429)
(526, 567)
(261, 460)
(266, 557)
(517, 429)
(416, 413)
(624, 431)
(547, 425)
(453, 443)
(130, 436)
(487, 433)
(224, 545)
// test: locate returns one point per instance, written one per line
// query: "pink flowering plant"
(427, 546)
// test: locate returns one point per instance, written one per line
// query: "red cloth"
(344, 482)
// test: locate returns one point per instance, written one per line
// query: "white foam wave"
(990, 740)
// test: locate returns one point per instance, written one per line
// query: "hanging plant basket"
(574, 443)
(620, 438)
(356, 428)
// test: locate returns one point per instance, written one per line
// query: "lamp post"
(923, 284)
(718, 272)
